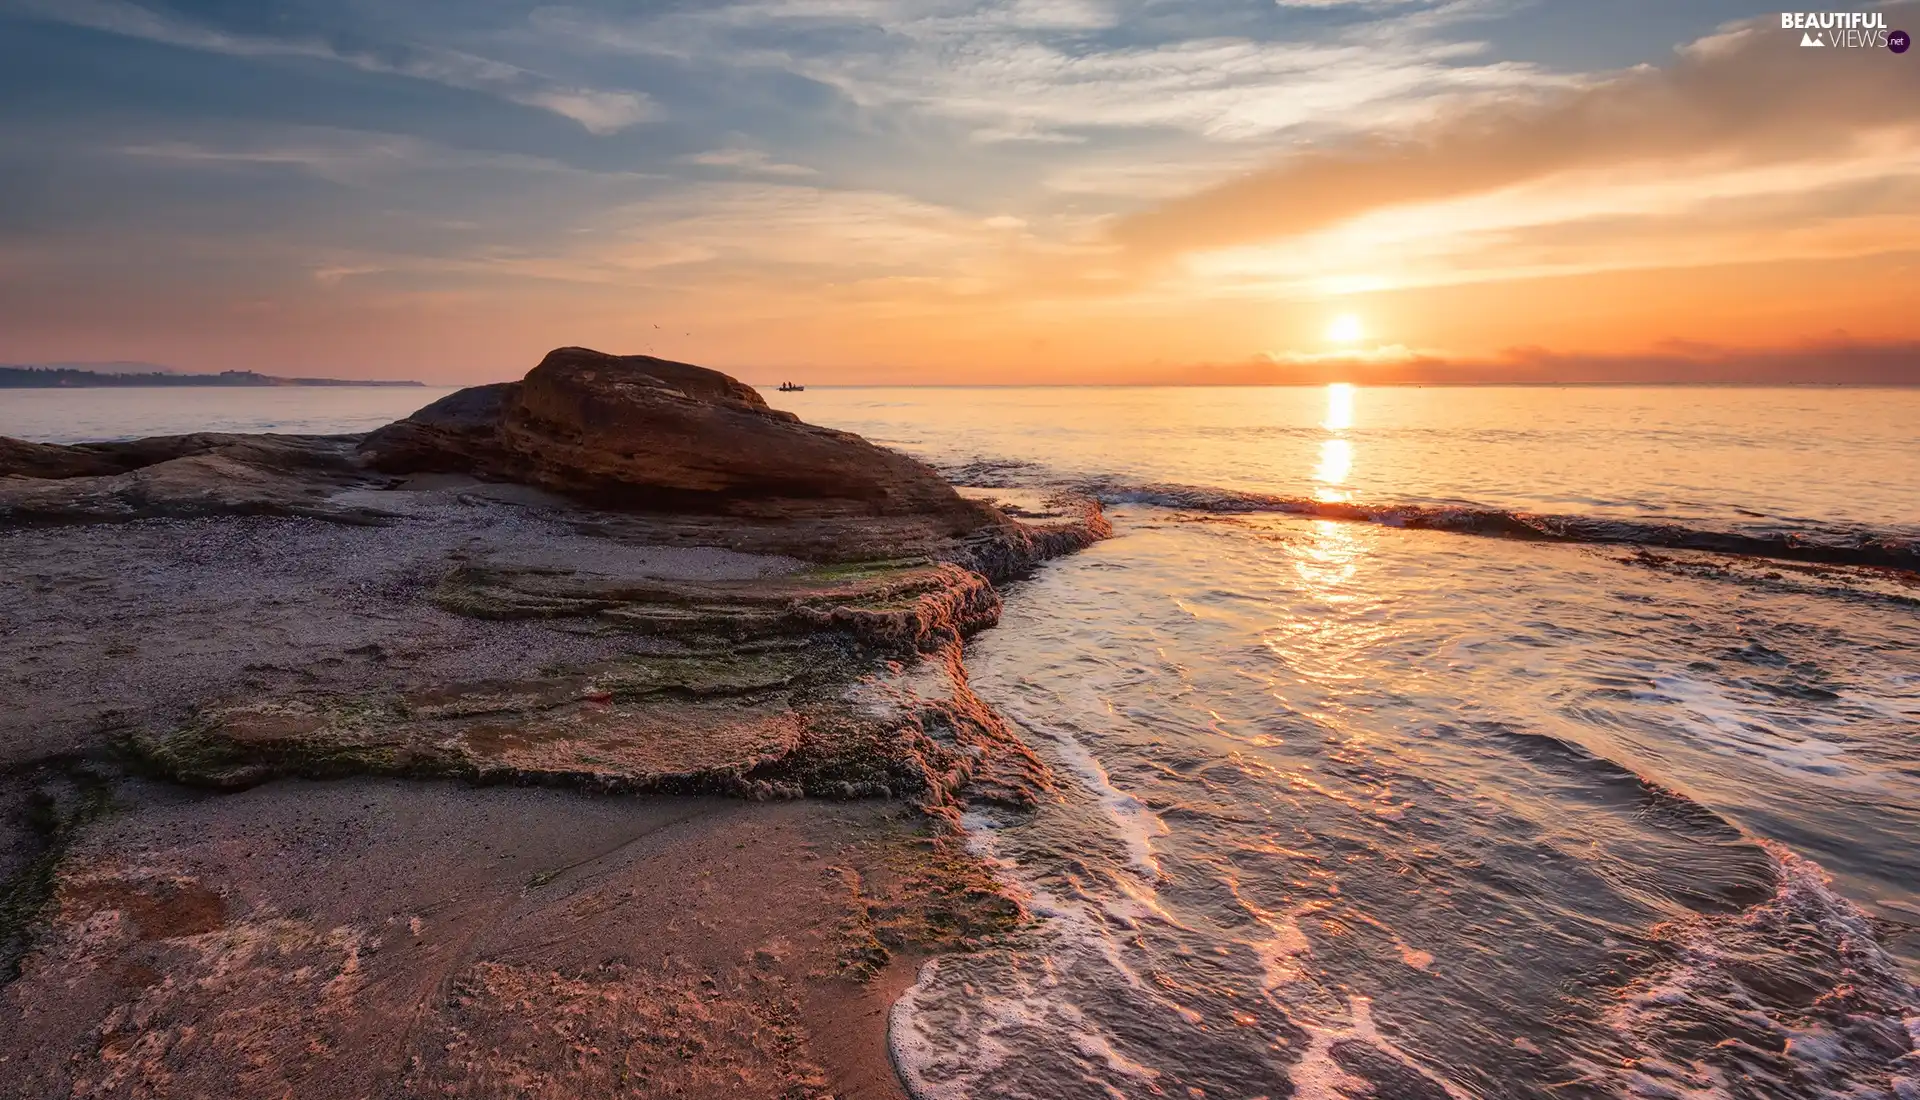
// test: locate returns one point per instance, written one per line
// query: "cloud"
(1051, 71)
(1666, 214)
(1834, 362)
(357, 157)
(1749, 96)
(752, 161)
(717, 239)
(596, 110)
(780, 224)
(944, 186)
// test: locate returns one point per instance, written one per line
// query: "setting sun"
(1344, 329)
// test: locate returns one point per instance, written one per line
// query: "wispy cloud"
(967, 187)
(1033, 71)
(750, 161)
(599, 111)
(359, 157)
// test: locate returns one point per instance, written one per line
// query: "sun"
(1344, 329)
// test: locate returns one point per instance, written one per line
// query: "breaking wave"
(1812, 543)
(1827, 546)
(1792, 997)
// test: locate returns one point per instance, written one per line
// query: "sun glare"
(1344, 329)
(1336, 453)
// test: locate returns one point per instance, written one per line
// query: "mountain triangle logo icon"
(1811, 40)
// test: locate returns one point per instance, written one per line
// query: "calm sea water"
(78, 416)
(1358, 809)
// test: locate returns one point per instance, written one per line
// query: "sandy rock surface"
(376, 938)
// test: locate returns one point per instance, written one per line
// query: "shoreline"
(349, 782)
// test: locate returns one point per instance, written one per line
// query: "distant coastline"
(51, 378)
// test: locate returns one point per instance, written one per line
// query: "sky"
(961, 191)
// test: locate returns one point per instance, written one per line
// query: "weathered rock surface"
(621, 575)
(454, 435)
(182, 475)
(638, 432)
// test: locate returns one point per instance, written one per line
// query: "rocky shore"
(599, 734)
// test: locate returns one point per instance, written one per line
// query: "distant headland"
(34, 378)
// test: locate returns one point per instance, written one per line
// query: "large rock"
(637, 432)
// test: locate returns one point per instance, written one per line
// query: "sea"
(1413, 742)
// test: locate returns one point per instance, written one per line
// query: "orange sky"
(1726, 195)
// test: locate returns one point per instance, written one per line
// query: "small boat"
(789, 387)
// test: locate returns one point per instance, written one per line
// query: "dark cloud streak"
(1830, 363)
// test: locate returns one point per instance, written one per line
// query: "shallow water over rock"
(1363, 811)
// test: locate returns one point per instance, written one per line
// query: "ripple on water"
(1409, 815)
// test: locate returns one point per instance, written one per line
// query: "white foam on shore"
(1135, 824)
(1316, 1076)
(967, 1016)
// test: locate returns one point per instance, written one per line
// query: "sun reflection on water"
(1336, 453)
(1336, 462)
(1339, 407)
(1330, 559)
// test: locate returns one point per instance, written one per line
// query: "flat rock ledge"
(785, 681)
(831, 682)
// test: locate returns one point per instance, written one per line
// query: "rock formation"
(633, 431)
(683, 520)
(699, 595)
(666, 452)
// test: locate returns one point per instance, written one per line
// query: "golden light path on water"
(1329, 646)
(1336, 451)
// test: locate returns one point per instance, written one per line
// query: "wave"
(1774, 985)
(1831, 546)
(1793, 997)
(1821, 545)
